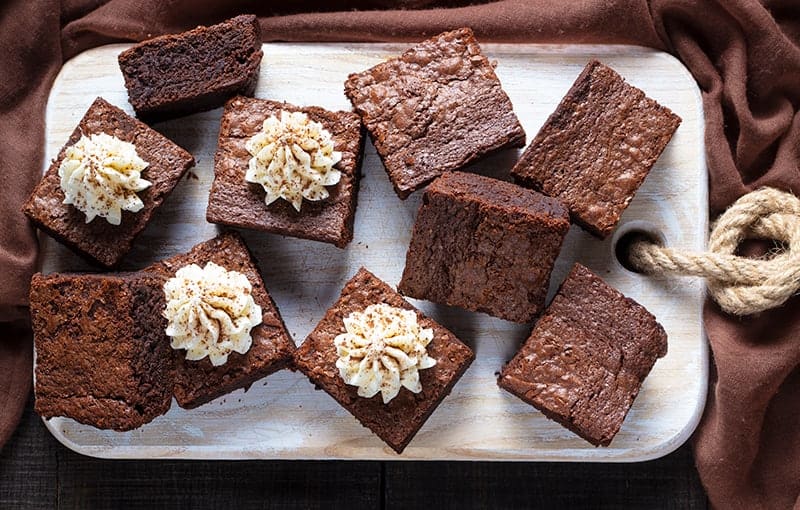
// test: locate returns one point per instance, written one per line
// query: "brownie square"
(198, 70)
(587, 357)
(484, 245)
(102, 357)
(199, 382)
(596, 149)
(435, 108)
(397, 422)
(100, 241)
(233, 201)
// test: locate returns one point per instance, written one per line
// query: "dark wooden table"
(36, 471)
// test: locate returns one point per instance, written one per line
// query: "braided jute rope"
(740, 285)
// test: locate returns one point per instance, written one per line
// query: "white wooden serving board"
(283, 416)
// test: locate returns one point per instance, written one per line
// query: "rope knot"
(740, 285)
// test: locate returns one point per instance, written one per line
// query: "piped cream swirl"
(101, 175)
(210, 312)
(382, 349)
(293, 159)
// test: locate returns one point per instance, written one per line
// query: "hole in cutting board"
(630, 233)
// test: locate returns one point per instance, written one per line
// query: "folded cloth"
(745, 56)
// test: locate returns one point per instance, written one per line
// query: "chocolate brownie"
(199, 382)
(596, 149)
(399, 420)
(435, 108)
(484, 245)
(233, 201)
(587, 357)
(102, 357)
(100, 241)
(198, 70)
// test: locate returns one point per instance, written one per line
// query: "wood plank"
(284, 416)
(85, 482)
(37, 472)
(667, 483)
(28, 474)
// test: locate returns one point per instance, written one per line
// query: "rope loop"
(740, 285)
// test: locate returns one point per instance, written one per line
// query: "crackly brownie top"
(435, 108)
(596, 149)
(586, 358)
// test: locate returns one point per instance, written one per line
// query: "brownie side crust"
(596, 149)
(198, 70)
(99, 241)
(484, 245)
(586, 358)
(101, 354)
(397, 422)
(199, 382)
(235, 202)
(435, 108)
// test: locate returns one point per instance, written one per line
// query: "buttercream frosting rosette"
(293, 158)
(383, 349)
(210, 312)
(101, 176)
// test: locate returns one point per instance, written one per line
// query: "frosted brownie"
(270, 346)
(101, 354)
(484, 245)
(596, 149)
(106, 131)
(178, 74)
(586, 358)
(435, 108)
(235, 201)
(347, 335)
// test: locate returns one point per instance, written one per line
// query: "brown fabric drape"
(745, 56)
